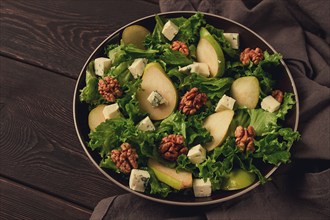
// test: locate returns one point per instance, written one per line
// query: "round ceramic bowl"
(248, 38)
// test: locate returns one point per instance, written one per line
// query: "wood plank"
(21, 202)
(39, 145)
(60, 35)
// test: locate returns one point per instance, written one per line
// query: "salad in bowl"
(178, 106)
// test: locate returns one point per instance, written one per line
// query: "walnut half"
(125, 159)
(254, 55)
(192, 101)
(278, 95)
(109, 88)
(172, 146)
(244, 138)
(181, 47)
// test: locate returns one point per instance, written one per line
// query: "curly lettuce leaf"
(287, 104)
(183, 163)
(241, 117)
(112, 133)
(195, 132)
(274, 146)
(157, 187)
(215, 88)
(213, 170)
(173, 57)
(120, 72)
(191, 128)
(245, 162)
(90, 93)
(262, 121)
(270, 59)
(156, 39)
(117, 55)
(102, 139)
(173, 124)
(265, 79)
(134, 52)
(128, 103)
(123, 53)
(189, 29)
(234, 69)
(107, 163)
(225, 45)
(260, 71)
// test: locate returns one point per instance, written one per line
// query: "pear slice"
(217, 124)
(135, 34)
(154, 78)
(177, 180)
(239, 179)
(246, 91)
(96, 117)
(209, 51)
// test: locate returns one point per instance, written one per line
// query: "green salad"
(184, 109)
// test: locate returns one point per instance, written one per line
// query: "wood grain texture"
(39, 146)
(60, 35)
(21, 202)
(43, 46)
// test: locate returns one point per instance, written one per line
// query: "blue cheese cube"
(270, 104)
(156, 99)
(170, 30)
(199, 68)
(101, 65)
(137, 67)
(233, 39)
(146, 125)
(201, 188)
(224, 103)
(197, 154)
(111, 111)
(138, 180)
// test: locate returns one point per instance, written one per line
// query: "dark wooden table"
(45, 173)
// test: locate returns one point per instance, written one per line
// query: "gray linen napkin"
(299, 30)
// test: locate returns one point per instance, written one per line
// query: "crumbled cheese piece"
(138, 180)
(199, 68)
(146, 125)
(233, 39)
(270, 104)
(111, 111)
(156, 99)
(201, 188)
(185, 68)
(197, 154)
(137, 67)
(224, 103)
(101, 64)
(170, 30)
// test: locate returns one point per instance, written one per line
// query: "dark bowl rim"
(164, 201)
